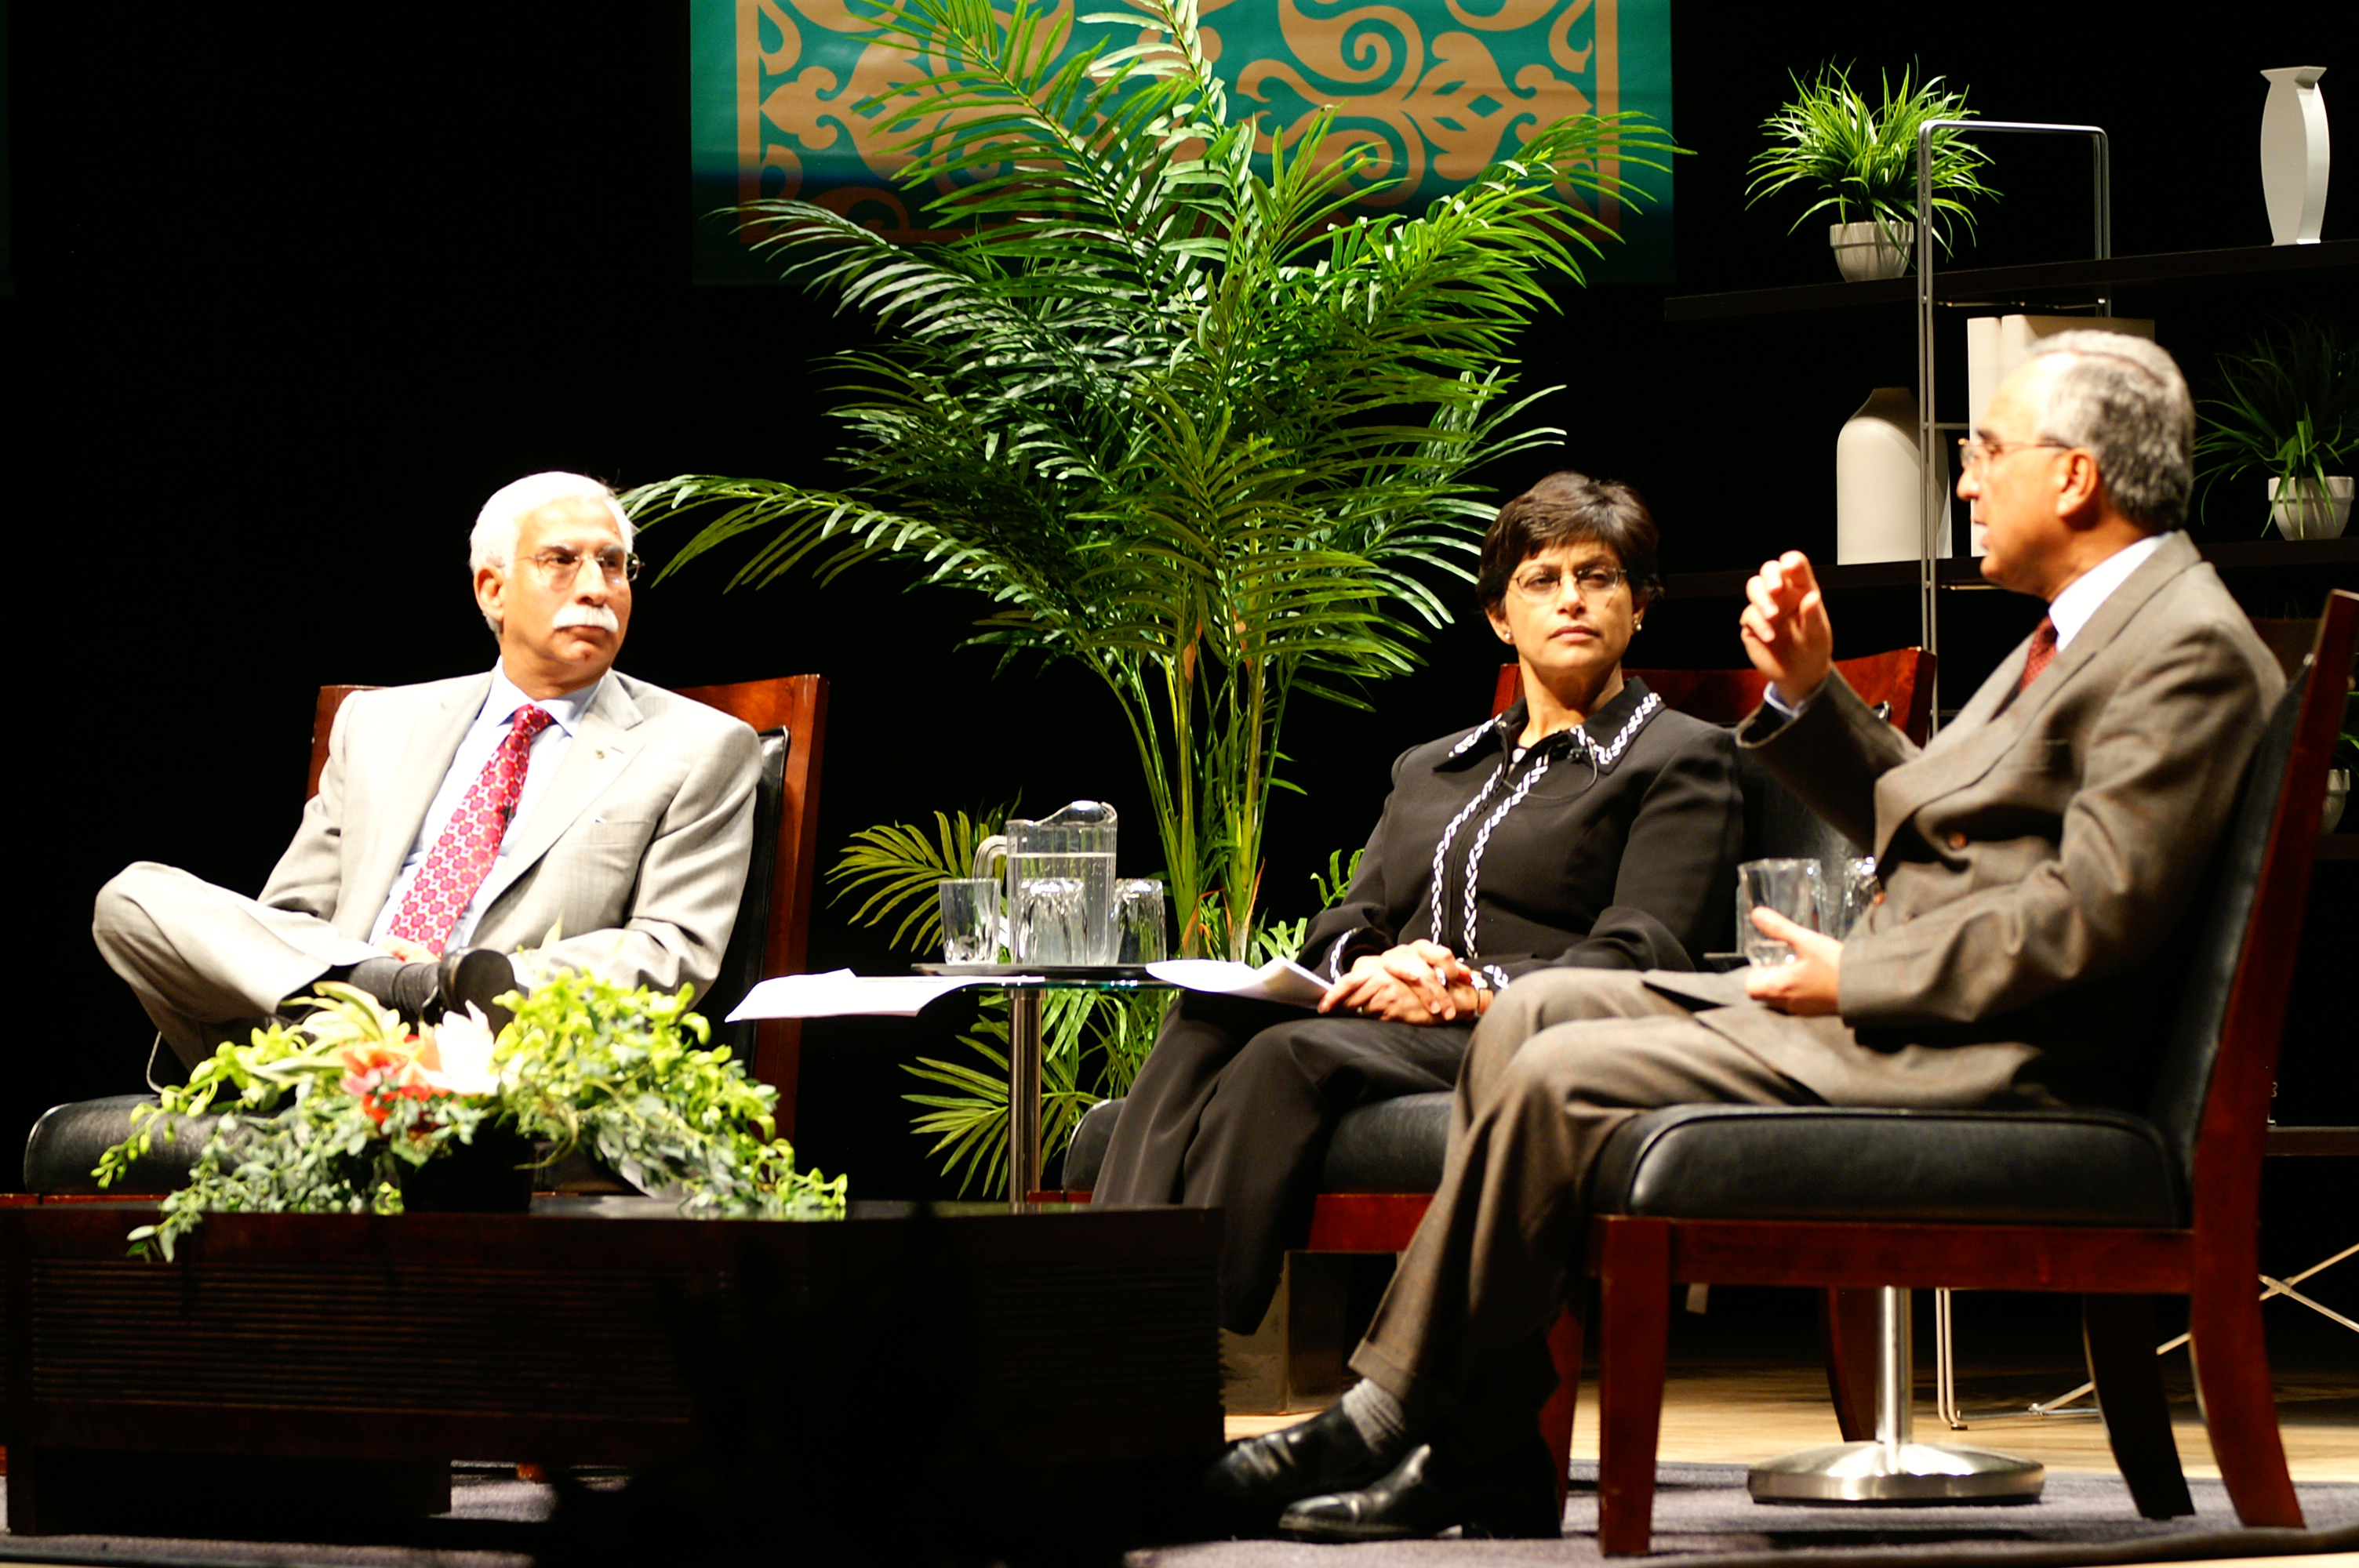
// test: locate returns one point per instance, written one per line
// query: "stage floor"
(1745, 1383)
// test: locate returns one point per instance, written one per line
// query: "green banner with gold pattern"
(782, 100)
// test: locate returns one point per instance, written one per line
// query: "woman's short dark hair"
(1567, 508)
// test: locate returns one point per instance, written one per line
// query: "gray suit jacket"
(2038, 859)
(636, 853)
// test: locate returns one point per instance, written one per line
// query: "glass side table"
(1025, 984)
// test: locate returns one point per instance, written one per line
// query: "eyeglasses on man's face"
(1545, 585)
(1978, 455)
(561, 564)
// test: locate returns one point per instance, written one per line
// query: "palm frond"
(894, 868)
(1165, 406)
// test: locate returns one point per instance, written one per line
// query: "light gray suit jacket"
(636, 852)
(2038, 859)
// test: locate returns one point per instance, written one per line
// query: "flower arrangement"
(584, 1063)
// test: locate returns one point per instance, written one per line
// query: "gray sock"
(1381, 1419)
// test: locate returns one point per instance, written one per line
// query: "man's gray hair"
(2123, 399)
(493, 541)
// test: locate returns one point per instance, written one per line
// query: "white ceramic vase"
(2302, 511)
(1864, 251)
(2294, 153)
(1876, 480)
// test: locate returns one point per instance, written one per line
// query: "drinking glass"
(1846, 888)
(970, 919)
(1789, 887)
(1051, 924)
(1139, 921)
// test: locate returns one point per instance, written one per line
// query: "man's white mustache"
(596, 615)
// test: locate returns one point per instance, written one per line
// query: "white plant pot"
(1864, 251)
(2338, 791)
(1876, 480)
(2301, 511)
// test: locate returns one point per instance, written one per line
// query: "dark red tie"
(461, 857)
(2041, 653)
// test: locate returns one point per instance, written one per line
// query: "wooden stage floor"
(1745, 1384)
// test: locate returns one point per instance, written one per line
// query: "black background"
(295, 290)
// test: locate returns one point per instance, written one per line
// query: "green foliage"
(970, 1124)
(625, 1073)
(1176, 413)
(896, 865)
(1284, 939)
(2289, 407)
(1864, 159)
(585, 1061)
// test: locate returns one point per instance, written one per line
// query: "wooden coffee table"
(1084, 1339)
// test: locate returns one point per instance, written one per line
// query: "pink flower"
(368, 1066)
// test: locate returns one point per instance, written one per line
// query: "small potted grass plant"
(2289, 413)
(1862, 160)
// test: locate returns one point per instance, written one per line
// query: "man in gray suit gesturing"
(2038, 862)
(461, 819)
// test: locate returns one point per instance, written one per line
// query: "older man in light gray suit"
(2037, 864)
(459, 820)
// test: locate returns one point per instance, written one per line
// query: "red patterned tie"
(2041, 653)
(461, 857)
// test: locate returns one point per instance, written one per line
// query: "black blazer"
(1613, 846)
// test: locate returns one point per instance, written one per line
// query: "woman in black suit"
(1587, 825)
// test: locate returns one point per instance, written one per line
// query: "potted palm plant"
(1168, 402)
(2289, 412)
(1862, 162)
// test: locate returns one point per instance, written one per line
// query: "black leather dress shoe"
(1425, 1494)
(475, 975)
(1258, 1478)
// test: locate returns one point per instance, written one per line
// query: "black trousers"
(1234, 1109)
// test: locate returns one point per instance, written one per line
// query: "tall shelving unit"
(2092, 284)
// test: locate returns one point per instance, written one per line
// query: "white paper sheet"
(1280, 979)
(839, 993)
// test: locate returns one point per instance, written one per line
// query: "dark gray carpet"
(1703, 1511)
(493, 1523)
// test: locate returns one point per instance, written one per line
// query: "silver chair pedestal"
(1890, 1468)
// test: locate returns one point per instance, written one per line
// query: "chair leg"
(2240, 1412)
(1847, 1328)
(2120, 1334)
(1634, 1311)
(1557, 1415)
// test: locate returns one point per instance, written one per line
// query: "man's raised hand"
(1785, 627)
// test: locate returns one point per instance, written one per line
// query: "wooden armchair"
(2115, 1207)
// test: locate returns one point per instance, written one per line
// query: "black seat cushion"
(1956, 1167)
(1085, 1151)
(1390, 1146)
(67, 1141)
